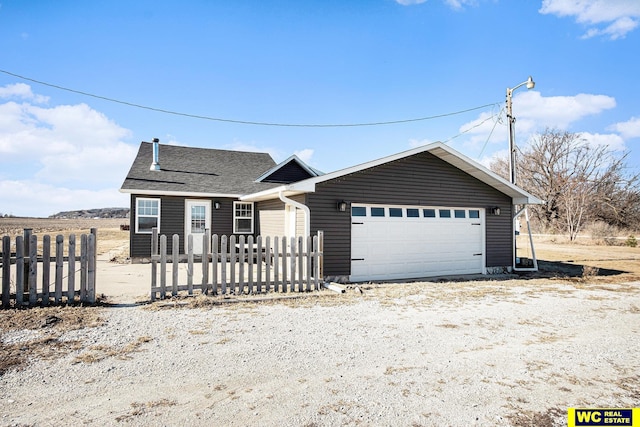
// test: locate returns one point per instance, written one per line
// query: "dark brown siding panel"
(291, 172)
(422, 179)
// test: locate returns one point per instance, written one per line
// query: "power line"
(245, 122)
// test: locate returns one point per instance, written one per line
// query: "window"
(413, 213)
(198, 219)
(242, 217)
(474, 214)
(377, 211)
(445, 213)
(429, 213)
(395, 212)
(358, 211)
(459, 213)
(147, 215)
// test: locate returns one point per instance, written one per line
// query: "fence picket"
(91, 266)
(214, 263)
(163, 266)
(175, 254)
(205, 262)
(71, 269)
(223, 263)
(291, 264)
(31, 291)
(6, 271)
(190, 264)
(84, 248)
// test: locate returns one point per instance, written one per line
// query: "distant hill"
(94, 213)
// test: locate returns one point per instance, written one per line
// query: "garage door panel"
(386, 248)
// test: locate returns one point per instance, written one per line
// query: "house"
(423, 212)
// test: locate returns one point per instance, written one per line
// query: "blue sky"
(298, 62)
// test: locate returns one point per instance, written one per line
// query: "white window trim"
(253, 212)
(148, 216)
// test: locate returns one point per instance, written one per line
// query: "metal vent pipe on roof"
(155, 165)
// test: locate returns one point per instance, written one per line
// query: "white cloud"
(628, 129)
(532, 109)
(612, 18)
(59, 158)
(38, 199)
(21, 91)
(612, 141)
(305, 155)
(534, 113)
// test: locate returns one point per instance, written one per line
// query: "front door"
(197, 221)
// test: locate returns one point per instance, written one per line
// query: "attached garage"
(425, 212)
(404, 242)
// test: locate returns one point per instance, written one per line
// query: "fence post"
(46, 265)
(316, 264)
(267, 268)
(284, 264)
(205, 262)
(250, 258)
(321, 255)
(154, 261)
(71, 277)
(175, 254)
(6, 271)
(276, 264)
(258, 261)
(214, 263)
(92, 249)
(84, 249)
(163, 266)
(94, 233)
(223, 263)
(59, 265)
(190, 264)
(27, 251)
(241, 252)
(33, 270)
(309, 271)
(19, 271)
(232, 262)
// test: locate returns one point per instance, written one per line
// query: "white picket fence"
(238, 265)
(26, 274)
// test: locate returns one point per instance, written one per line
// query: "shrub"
(631, 241)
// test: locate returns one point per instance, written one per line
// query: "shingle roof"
(197, 170)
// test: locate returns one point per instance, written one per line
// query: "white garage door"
(402, 242)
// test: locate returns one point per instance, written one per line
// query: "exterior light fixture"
(341, 206)
(495, 211)
(216, 205)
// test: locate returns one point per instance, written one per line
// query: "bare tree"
(578, 182)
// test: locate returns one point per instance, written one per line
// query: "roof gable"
(202, 171)
(438, 149)
(291, 170)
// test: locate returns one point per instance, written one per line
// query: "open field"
(502, 350)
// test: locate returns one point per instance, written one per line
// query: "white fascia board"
(178, 193)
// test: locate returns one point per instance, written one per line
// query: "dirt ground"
(512, 350)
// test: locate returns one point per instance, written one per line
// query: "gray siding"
(422, 180)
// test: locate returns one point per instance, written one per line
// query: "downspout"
(305, 208)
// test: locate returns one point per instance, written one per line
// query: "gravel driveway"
(421, 354)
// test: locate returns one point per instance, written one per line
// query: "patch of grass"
(97, 353)
(50, 324)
